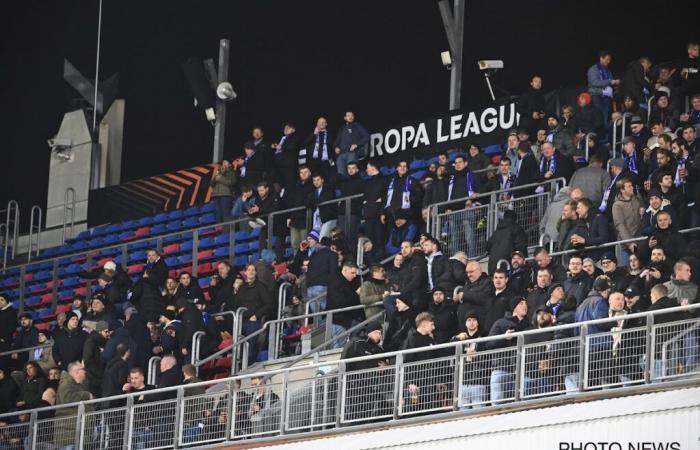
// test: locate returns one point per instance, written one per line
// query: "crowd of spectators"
(103, 345)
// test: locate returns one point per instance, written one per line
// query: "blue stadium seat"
(158, 229)
(191, 222)
(110, 252)
(83, 235)
(145, 221)
(242, 235)
(418, 175)
(111, 240)
(125, 235)
(129, 225)
(240, 249)
(113, 228)
(187, 257)
(221, 252)
(386, 170)
(192, 211)
(186, 246)
(255, 246)
(207, 219)
(222, 239)
(95, 242)
(177, 214)
(418, 164)
(32, 301)
(254, 257)
(43, 276)
(240, 261)
(118, 259)
(207, 242)
(172, 261)
(203, 282)
(433, 160)
(137, 256)
(208, 207)
(492, 150)
(162, 217)
(255, 233)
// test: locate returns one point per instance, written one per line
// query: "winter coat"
(9, 393)
(626, 217)
(136, 326)
(552, 214)
(683, 292)
(94, 367)
(595, 230)
(418, 340)
(192, 322)
(223, 187)
(255, 169)
(8, 324)
(352, 185)
(323, 263)
(69, 392)
(252, 296)
(445, 320)
(475, 298)
(587, 120)
(68, 347)
(413, 282)
(529, 173)
(508, 237)
(356, 348)
(373, 202)
(578, 286)
(592, 308)
(351, 134)
(593, 181)
(506, 361)
(454, 274)
(648, 222)
(326, 212)
(31, 391)
(342, 294)
(633, 83)
(116, 374)
(297, 196)
(563, 141)
(372, 291)
(148, 300)
(396, 204)
(397, 235)
(673, 243)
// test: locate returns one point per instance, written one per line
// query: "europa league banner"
(456, 129)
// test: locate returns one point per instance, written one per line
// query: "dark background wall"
(291, 61)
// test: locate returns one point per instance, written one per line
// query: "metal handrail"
(360, 258)
(48, 344)
(549, 241)
(386, 355)
(664, 347)
(610, 244)
(68, 207)
(34, 230)
(152, 370)
(12, 219)
(491, 196)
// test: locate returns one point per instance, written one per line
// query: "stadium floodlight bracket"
(453, 20)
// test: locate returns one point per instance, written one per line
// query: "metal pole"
(454, 27)
(97, 71)
(220, 126)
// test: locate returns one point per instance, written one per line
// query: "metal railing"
(468, 228)
(68, 214)
(616, 353)
(34, 232)
(11, 232)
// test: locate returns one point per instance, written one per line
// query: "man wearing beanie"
(68, 345)
(323, 263)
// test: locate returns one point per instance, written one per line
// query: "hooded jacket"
(372, 291)
(508, 237)
(626, 217)
(683, 292)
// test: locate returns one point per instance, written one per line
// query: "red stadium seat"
(172, 248)
(136, 268)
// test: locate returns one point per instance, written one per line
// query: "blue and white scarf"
(552, 165)
(470, 185)
(606, 194)
(678, 181)
(324, 154)
(317, 213)
(405, 196)
(605, 74)
(507, 183)
(632, 162)
(278, 150)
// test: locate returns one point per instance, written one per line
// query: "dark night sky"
(290, 61)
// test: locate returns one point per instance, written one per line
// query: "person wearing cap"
(508, 237)
(402, 230)
(592, 180)
(323, 264)
(27, 336)
(578, 283)
(617, 275)
(68, 344)
(637, 170)
(595, 306)
(662, 110)
(445, 316)
(502, 374)
(520, 273)
(591, 229)
(97, 311)
(636, 300)
(562, 138)
(92, 349)
(657, 204)
(639, 131)
(369, 345)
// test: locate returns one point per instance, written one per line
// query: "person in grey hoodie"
(548, 224)
(626, 213)
(592, 180)
(680, 287)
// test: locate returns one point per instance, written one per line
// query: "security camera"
(225, 91)
(490, 64)
(57, 143)
(446, 58)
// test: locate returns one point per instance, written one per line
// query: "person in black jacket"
(285, 157)
(403, 192)
(68, 344)
(295, 196)
(635, 83)
(531, 106)
(508, 237)
(266, 202)
(146, 294)
(221, 286)
(252, 295)
(9, 391)
(591, 228)
(342, 293)
(325, 217)
(8, 323)
(455, 274)
(445, 317)
(475, 295)
(503, 363)
(402, 307)
(111, 293)
(136, 326)
(252, 166)
(578, 283)
(352, 184)
(437, 263)
(520, 274)
(27, 336)
(192, 322)
(92, 349)
(666, 236)
(554, 164)
(544, 261)
(374, 190)
(188, 290)
(421, 389)
(319, 149)
(528, 172)
(476, 370)
(116, 374)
